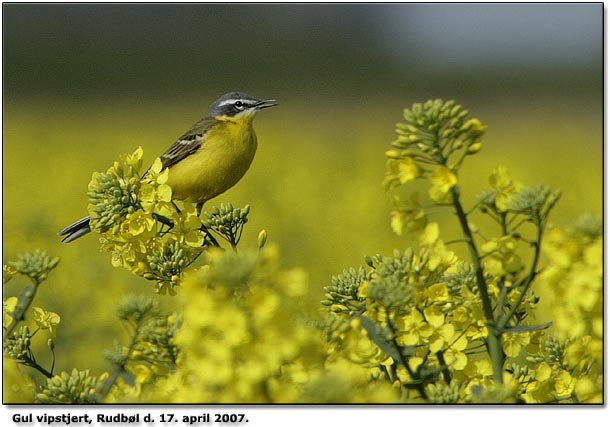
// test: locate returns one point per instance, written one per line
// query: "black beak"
(266, 104)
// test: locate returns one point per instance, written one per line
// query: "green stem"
(527, 281)
(494, 344)
(33, 364)
(405, 362)
(446, 373)
(120, 370)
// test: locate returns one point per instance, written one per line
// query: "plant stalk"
(494, 343)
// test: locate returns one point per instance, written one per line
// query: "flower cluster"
(239, 334)
(113, 194)
(432, 143)
(244, 341)
(75, 387)
(35, 265)
(571, 360)
(422, 328)
(138, 224)
(444, 330)
(17, 340)
(343, 293)
(150, 354)
(17, 345)
(228, 222)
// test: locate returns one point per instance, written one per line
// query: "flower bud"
(262, 238)
(474, 148)
(393, 154)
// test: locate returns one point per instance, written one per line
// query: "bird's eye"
(239, 105)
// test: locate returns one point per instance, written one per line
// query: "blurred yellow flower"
(8, 307)
(407, 170)
(504, 187)
(415, 328)
(512, 343)
(564, 384)
(443, 180)
(501, 256)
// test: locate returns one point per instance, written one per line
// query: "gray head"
(238, 104)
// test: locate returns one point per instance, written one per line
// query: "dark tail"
(76, 230)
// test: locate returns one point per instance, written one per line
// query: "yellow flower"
(564, 384)
(135, 159)
(454, 354)
(430, 234)
(188, 225)
(407, 170)
(501, 258)
(479, 368)
(441, 332)
(156, 198)
(513, 342)
(437, 292)
(400, 171)
(442, 180)
(587, 391)
(359, 348)
(504, 187)
(593, 255)
(46, 319)
(415, 328)
(409, 214)
(8, 273)
(156, 173)
(397, 222)
(543, 372)
(139, 222)
(266, 306)
(9, 305)
(142, 373)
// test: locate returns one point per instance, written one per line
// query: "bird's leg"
(199, 208)
(166, 221)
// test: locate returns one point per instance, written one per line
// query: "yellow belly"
(222, 160)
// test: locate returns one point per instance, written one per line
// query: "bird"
(209, 158)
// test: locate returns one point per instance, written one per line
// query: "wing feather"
(187, 144)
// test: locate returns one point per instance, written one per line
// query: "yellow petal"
(407, 170)
(434, 316)
(430, 234)
(397, 222)
(443, 179)
(564, 385)
(164, 193)
(156, 166)
(499, 179)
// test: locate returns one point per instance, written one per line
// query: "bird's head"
(238, 104)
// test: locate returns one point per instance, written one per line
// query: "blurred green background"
(83, 84)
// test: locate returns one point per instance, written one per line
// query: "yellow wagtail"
(211, 157)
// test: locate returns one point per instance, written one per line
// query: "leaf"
(374, 332)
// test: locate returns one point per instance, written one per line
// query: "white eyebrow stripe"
(232, 101)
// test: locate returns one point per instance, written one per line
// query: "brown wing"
(187, 144)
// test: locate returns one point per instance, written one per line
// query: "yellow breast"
(222, 160)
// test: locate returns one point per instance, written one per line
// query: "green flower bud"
(262, 238)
